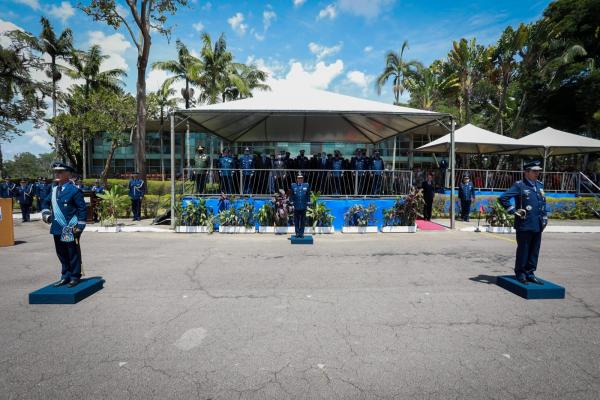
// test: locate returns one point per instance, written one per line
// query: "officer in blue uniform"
(98, 188)
(226, 166)
(7, 188)
(40, 192)
(531, 218)
(466, 194)
(25, 195)
(66, 211)
(359, 165)
(300, 196)
(336, 166)
(377, 167)
(247, 165)
(137, 189)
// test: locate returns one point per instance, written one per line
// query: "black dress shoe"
(73, 283)
(522, 281)
(535, 280)
(62, 282)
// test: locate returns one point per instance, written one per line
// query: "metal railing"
(502, 180)
(330, 183)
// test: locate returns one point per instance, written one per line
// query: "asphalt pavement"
(384, 316)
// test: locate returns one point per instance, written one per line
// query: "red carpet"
(429, 226)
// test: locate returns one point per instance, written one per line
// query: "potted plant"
(319, 216)
(237, 220)
(402, 216)
(499, 220)
(194, 217)
(274, 217)
(358, 219)
(114, 203)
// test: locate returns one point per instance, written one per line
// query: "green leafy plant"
(266, 215)
(242, 216)
(317, 213)
(405, 210)
(197, 214)
(498, 216)
(359, 215)
(114, 203)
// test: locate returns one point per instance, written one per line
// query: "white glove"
(47, 217)
(521, 213)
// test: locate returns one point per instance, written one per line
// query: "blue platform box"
(66, 295)
(308, 239)
(531, 291)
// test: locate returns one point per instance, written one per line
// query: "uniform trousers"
(69, 255)
(528, 250)
(299, 222)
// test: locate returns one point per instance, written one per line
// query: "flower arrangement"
(405, 210)
(359, 215)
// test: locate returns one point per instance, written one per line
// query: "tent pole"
(452, 157)
(394, 154)
(172, 170)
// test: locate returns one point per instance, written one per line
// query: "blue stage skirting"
(339, 207)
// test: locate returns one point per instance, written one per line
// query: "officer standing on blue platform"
(466, 194)
(137, 189)
(66, 211)
(300, 196)
(531, 219)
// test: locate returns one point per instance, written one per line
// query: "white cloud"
(114, 46)
(368, 49)
(6, 26)
(268, 17)
(155, 79)
(322, 51)
(63, 12)
(35, 4)
(273, 68)
(237, 24)
(298, 3)
(368, 9)
(319, 77)
(35, 141)
(328, 12)
(198, 26)
(207, 6)
(360, 79)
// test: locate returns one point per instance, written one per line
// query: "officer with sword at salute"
(65, 210)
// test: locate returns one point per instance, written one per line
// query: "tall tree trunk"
(84, 156)
(140, 133)
(109, 158)
(516, 131)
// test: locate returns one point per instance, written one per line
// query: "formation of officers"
(326, 176)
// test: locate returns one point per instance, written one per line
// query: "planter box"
(109, 229)
(236, 229)
(319, 230)
(500, 229)
(359, 229)
(191, 229)
(399, 229)
(276, 229)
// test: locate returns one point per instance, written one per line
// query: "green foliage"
(405, 210)
(359, 215)
(197, 214)
(240, 216)
(29, 166)
(498, 216)
(113, 204)
(266, 215)
(317, 213)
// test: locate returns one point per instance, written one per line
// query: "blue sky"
(337, 45)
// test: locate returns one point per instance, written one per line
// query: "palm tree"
(85, 66)
(164, 101)
(182, 69)
(466, 60)
(56, 47)
(427, 85)
(503, 57)
(252, 77)
(399, 70)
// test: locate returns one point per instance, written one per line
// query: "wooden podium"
(7, 231)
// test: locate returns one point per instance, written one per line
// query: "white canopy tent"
(292, 114)
(473, 140)
(552, 142)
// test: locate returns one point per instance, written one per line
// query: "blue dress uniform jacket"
(466, 191)
(226, 164)
(137, 189)
(530, 197)
(7, 190)
(71, 203)
(247, 164)
(25, 194)
(42, 190)
(300, 196)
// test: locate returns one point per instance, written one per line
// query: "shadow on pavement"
(489, 279)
